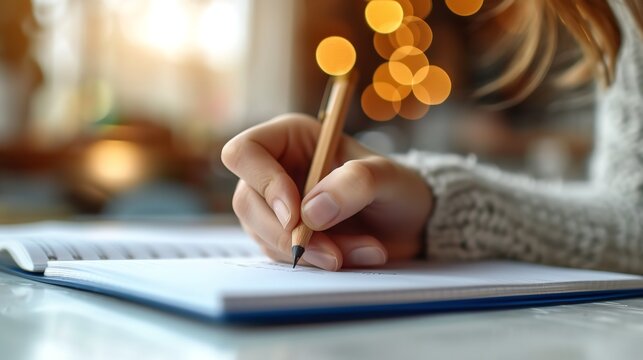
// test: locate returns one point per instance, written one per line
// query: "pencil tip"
(297, 252)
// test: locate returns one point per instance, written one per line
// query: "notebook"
(31, 247)
(249, 288)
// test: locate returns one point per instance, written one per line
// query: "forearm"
(481, 212)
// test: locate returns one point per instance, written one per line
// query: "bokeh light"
(407, 7)
(405, 63)
(464, 7)
(435, 88)
(221, 32)
(386, 87)
(335, 55)
(413, 109)
(115, 164)
(406, 84)
(377, 108)
(422, 8)
(384, 16)
(413, 32)
(165, 28)
(383, 45)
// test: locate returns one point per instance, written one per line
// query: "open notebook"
(31, 247)
(252, 289)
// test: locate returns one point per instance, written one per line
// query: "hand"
(367, 211)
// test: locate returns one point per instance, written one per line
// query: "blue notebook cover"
(337, 312)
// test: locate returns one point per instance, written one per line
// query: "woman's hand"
(367, 211)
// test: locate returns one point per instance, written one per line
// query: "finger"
(347, 190)
(280, 257)
(261, 223)
(257, 218)
(270, 251)
(276, 255)
(320, 252)
(266, 247)
(360, 250)
(323, 253)
(252, 156)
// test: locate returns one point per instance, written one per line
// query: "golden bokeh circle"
(413, 109)
(386, 87)
(384, 16)
(377, 108)
(464, 7)
(405, 62)
(383, 45)
(435, 88)
(413, 32)
(335, 55)
(403, 42)
(407, 7)
(422, 8)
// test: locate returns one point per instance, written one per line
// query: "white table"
(39, 321)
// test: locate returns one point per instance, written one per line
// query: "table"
(39, 321)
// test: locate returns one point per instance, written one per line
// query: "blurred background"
(119, 108)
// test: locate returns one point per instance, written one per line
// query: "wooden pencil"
(332, 114)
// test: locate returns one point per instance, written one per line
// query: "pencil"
(332, 114)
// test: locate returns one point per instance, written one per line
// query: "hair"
(533, 39)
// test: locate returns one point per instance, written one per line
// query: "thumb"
(347, 190)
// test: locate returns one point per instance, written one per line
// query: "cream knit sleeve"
(482, 212)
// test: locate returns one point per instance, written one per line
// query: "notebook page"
(247, 284)
(34, 248)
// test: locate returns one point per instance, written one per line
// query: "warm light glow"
(377, 108)
(412, 109)
(405, 62)
(115, 164)
(435, 88)
(422, 8)
(407, 70)
(335, 55)
(464, 7)
(214, 29)
(407, 7)
(413, 32)
(386, 87)
(165, 27)
(222, 32)
(384, 16)
(383, 45)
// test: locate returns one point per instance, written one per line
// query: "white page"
(245, 284)
(31, 246)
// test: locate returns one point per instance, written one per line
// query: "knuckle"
(383, 167)
(360, 175)
(269, 184)
(230, 153)
(263, 183)
(240, 204)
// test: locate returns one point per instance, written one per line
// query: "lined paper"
(257, 284)
(32, 247)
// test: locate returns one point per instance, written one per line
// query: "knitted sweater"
(482, 212)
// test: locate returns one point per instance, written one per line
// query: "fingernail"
(321, 209)
(366, 256)
(282, 212)
(320, 259)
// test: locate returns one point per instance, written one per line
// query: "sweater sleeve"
(482, 212)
